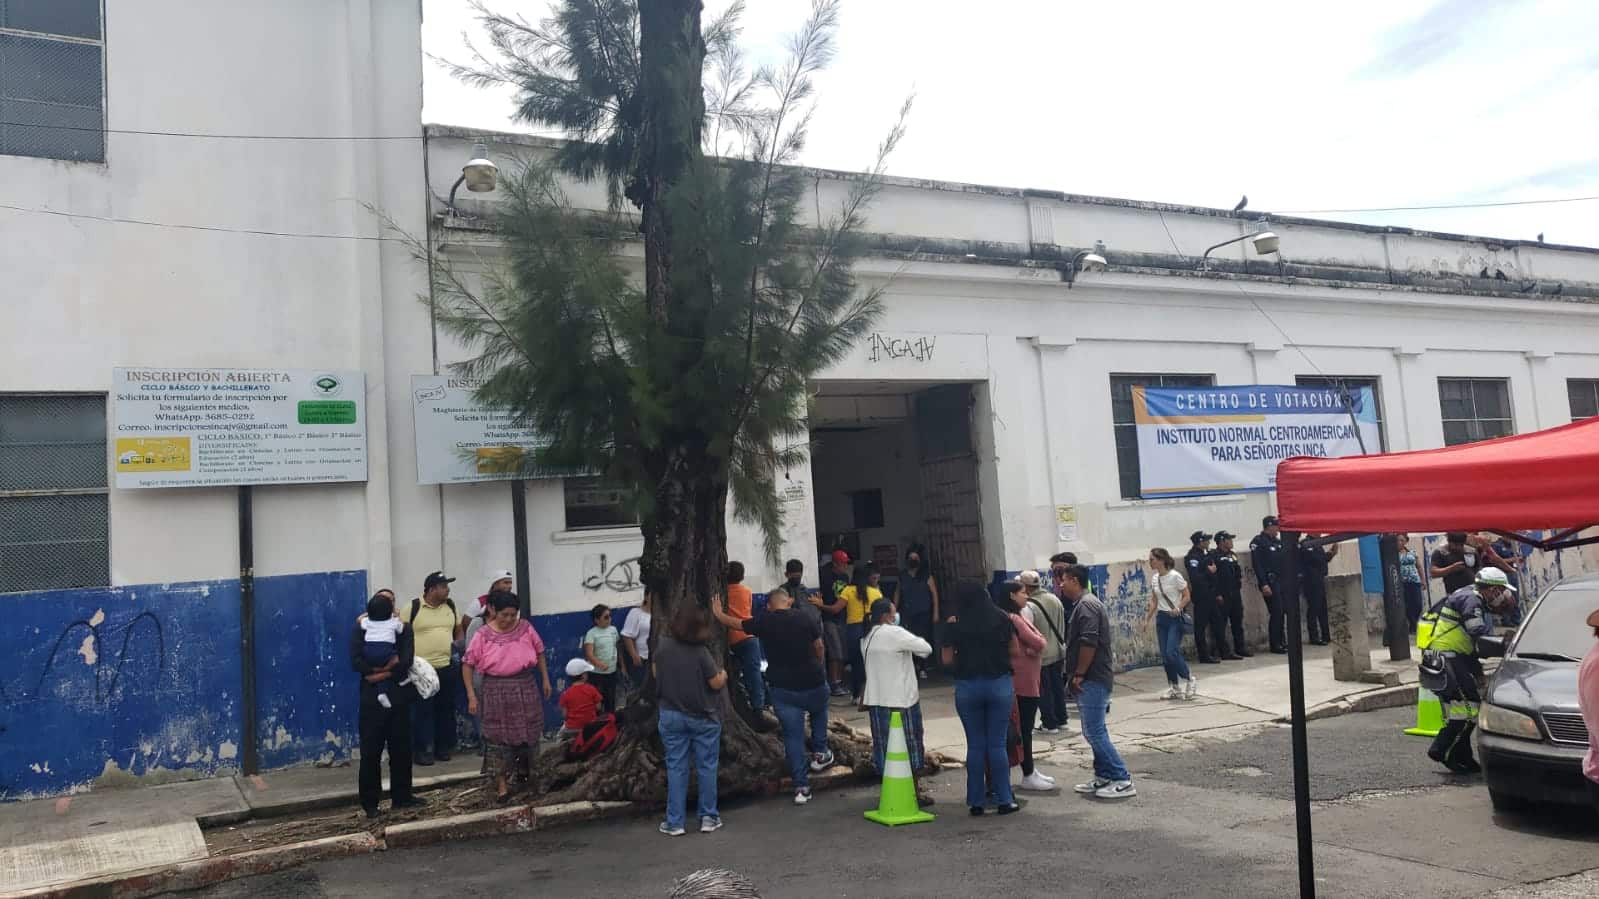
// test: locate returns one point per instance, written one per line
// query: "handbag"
(1187, 614)
(423, 678)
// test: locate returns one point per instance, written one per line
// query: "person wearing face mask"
(918, 601)
(1447, 637)
(890, 651)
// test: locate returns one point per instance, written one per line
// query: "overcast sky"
(1303, 106)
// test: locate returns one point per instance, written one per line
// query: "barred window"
(1121, 418)
(52, 79)
(54, 513)
(1474, 409)
(1353, 382)
(1583, 394)
(598, 503)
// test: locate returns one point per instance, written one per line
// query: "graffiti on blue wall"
(144, 680)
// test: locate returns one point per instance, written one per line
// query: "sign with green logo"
(327, 412)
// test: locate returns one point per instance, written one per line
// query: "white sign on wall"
(219, 427)
(1194, 441)
(459, 441)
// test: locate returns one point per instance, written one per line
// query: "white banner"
(221, 427)
(1195, 441)
(459, 441)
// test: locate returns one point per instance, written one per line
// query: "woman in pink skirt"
(507, 652)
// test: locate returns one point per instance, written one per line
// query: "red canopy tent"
(1546, 479)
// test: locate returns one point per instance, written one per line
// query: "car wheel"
(1506, 802)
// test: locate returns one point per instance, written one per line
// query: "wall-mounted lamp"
(480, 174)
(1264, 240)
(1086, 261)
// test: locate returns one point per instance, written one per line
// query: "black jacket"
(404, 647)
(1202, 584)
(1266, 557)
(1313, 569)
(1229, 575)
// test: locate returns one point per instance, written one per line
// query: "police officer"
(1229, 585)
(1313, 561)
(1447, 637)
(1266, 556)
(1210, 614)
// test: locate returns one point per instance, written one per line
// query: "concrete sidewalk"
(1235, 699)
(57, 841)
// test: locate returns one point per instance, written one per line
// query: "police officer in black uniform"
(1229, 584)
(1210, 615)
(1266, 556)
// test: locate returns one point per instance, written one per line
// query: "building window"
(597, 503)
(867, 508)
(1475, 409)
(1584, 396)
(1353, 382)
(1121, 416)
(52, 81)
(54, 518)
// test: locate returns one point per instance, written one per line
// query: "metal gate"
(952, 517)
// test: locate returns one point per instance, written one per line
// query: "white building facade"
(182, 202)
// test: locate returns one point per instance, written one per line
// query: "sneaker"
(1121, 789)
(821, 761)
(670, 830)
(1093, 786)
(710, 824)
(802, 795)
(1192, 689)
(1172, 692)
(1035, 784)
(1046, 777)
(1049, 730)
(838, 690)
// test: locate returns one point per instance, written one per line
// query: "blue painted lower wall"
(143, 681)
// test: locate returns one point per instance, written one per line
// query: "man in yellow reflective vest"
(1447, 636)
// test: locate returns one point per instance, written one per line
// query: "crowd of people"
(1020, 654)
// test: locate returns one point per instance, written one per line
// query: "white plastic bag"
(423, 677)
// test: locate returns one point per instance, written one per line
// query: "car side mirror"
(1491, 647)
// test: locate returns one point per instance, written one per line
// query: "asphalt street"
(1215, 822)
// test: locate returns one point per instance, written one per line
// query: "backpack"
(595, 737)
(416, 606)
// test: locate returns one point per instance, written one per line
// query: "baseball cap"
(1225, 535)
(578, 668)
(435, 579)
(841, 557)
(880, 608)
(1493, 577)
(501, 575)
(1029, 578)
(1198, 537)
(1268, 521)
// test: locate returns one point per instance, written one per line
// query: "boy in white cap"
(581, 702)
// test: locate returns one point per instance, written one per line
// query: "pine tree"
(691, 387)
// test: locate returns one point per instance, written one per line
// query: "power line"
(1440, 206)
(261, 232)
(257, 137)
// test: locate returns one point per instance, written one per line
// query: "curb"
(336, 799)
(208, 871)
(1365, 701)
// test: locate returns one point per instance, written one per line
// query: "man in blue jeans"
(1088, 658)
(792, 641)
